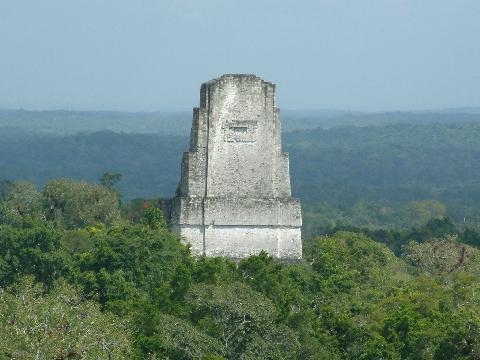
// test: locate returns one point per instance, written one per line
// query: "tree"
(434, 228)
(153, 217)
(5, 188)
(19, 201)
(77, 204)
(347, 261)
(286, 286)
(58, 325)
(109, 180)
(442, 256)
(421, 211)
(177, 338)
(36, 251)
(233, 313)
(132, 262)
(431, 318)
(277, 343)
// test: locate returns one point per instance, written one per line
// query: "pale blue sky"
(154, 54)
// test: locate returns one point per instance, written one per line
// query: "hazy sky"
(154, 54)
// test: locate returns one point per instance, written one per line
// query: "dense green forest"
(89, 269)
(390, 176)
(83, 277)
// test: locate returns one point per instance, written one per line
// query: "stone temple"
(234, 196)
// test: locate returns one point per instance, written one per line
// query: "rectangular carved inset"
(241, 131)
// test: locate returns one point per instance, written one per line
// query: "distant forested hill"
(150, 164)
(378, 176)
(388, 175)
(62, 122)
(413, 160)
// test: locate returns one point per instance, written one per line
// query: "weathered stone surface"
(234, 196)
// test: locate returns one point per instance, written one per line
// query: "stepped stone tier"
(234, 196)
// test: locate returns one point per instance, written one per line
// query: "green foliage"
(36, 251)
(283, 285)
(134, 210)
(214, 270)
(130, 262)
(19, 202)
(176, 338)
(153, 217)
(109, 180)
(349, 260)
(149, 163)
(421, 211)
(233, 313)
(372, 214)
(351, 298)
(394, 176)
(58, 325)
(77, 204)
(470, 237)
(421, 319)
(276, 343)
(442, 256)
(396, 240)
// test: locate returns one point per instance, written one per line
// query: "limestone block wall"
(242, 241)
(234, 196)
